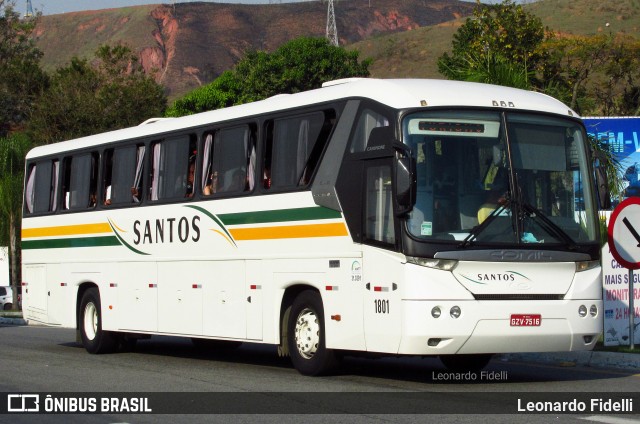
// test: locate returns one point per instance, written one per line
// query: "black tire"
(306, 336)
(460, 363)
(94, 339)
(8, 306)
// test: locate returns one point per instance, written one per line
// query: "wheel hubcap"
(307, 333)
(90, 320)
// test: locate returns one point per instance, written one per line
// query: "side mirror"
(405, 179)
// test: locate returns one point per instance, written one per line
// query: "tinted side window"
(293, 147)
(80, 181)
(368, 120)
(123, 175)
(379, 214)
(41, 187)
(173, 168)
(229, 160)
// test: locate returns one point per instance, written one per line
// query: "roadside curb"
(13, 321)
(620, 360)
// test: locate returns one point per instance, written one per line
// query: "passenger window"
(80, 181)
(229, 160)
(293, 148)
(173, 168)
(41, 188)
(367, 121)
(122, 182)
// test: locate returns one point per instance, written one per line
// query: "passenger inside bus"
(191, 176)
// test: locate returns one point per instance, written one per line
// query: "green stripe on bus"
(70, 242)
(284, 215)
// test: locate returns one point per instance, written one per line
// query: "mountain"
(190, 44)
(415, 53)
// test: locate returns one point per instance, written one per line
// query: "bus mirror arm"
(405, 179)
(599, 159)
(602, 188)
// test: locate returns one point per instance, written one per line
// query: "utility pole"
(332, 30)
(29, 10)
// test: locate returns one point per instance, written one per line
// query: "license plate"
(526, 320)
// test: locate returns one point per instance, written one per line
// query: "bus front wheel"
(306, 336)
(94, 338)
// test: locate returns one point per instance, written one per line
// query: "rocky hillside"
(192, 43)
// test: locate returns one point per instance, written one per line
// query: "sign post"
(624, 242)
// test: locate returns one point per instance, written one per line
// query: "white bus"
(403, 217)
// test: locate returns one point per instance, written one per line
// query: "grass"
(415, 53)
(88, 31)
(620, 349)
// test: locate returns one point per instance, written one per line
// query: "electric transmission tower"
(332, 31)
(29, 10)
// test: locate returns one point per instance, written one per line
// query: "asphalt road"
(251, 384)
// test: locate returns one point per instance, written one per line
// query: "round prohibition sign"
(623, 233)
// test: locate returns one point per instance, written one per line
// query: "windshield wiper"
(475, 231)
(548, 225)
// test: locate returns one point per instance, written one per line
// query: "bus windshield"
(491, 177)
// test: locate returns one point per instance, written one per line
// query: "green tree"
(21, 78)
(299, 65)
(12, 153)
(491, 69)
(127, 95)
(498, 45)
(598, 74)
(84, 98)
(222, 92)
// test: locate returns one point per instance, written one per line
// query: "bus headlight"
(586, 265)
(582, 311)
(455, 312)
(435, 312)
(441, 264)
(593, 310)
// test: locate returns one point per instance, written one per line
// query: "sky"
(51, 7)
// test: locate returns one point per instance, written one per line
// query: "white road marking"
(610, 420)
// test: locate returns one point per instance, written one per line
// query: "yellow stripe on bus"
(66, 230)
(289, 231)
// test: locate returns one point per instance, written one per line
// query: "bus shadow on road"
(500, 370)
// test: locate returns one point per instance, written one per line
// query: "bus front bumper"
(487, 326)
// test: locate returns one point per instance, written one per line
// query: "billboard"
(622, 136)
(615, 294)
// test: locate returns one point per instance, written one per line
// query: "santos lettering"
(496, 277)
(167, 230)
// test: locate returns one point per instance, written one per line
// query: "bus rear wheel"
(307, 337)
(94, 338)
(460, 363)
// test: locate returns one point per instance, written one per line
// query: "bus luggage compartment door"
(35, 292)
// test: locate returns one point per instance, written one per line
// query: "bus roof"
(396, 93)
